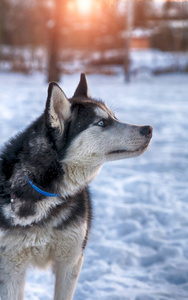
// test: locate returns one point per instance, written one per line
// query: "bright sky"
(85, 6)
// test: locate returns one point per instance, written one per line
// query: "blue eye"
(101, 123)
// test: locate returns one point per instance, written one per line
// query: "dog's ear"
(58, 107)
(82, 88)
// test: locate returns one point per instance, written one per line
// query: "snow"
(145, 61)
(138, 246)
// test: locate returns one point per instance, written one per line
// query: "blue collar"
(41, 191)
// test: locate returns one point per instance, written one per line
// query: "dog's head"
(88, 131)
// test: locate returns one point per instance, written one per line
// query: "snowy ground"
(142, 60)
(138, 247)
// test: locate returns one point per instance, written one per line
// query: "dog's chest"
(68, 243)
(40, 246)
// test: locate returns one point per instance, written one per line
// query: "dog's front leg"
(66, 279)
(12, 279)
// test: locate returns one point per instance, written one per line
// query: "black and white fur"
(61, 152)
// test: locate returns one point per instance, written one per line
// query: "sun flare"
(84, 6)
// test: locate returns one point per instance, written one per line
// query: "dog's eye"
(101, 123)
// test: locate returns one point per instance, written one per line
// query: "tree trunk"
(54, 41)
(129, 28)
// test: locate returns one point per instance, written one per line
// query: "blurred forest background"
(66, 36)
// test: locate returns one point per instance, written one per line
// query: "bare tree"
(129, 28)
(55, 28)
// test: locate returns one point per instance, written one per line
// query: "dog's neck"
(77, 177)
(40, 191)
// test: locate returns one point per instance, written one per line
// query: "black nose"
(146, 131)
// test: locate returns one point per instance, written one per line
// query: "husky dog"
(45, 208)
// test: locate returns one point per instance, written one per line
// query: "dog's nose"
(146, 131)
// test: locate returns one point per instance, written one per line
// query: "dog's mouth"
(121, 151)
